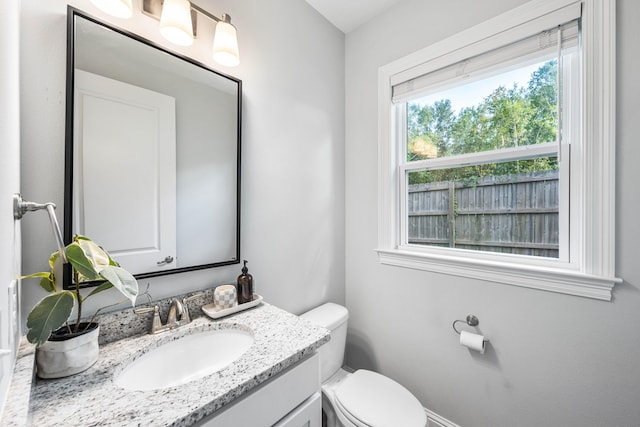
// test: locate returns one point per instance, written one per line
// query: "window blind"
(540, 44)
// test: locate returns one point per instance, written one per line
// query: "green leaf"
(46, 280)
(98, 257)
(34, 275)
(48, 315)
(47, 283)
(53, 259)
(57, 269)
(122, 280)
(79, 260)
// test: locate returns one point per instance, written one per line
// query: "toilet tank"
(333, 317)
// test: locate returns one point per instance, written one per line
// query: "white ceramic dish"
(215, 313)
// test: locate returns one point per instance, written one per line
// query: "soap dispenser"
(245, 285)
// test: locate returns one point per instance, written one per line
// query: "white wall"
(292, 67)
(554, 360)
(9, 184)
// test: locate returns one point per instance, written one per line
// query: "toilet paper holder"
(471, 320)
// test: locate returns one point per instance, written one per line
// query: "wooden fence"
(516, 214)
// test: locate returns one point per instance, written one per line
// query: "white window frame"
(591, 270)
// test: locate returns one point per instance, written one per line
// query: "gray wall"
(554, 360)
(292, 67)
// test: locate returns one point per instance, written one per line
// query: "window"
(496, 152)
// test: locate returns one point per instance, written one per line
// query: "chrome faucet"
(178, 315)
(176, 312)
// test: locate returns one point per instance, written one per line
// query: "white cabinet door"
(279, 397)
(134, 194)
(308, 414)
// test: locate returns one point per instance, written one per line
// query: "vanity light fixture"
(178, 24)
(117, 8)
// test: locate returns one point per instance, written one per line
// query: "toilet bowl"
(362, 398)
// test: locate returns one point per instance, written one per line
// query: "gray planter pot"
(60, 357)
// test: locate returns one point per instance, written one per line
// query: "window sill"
(549, 279)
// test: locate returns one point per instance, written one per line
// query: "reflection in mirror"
(152, 152)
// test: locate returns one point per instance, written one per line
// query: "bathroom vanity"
(274, 383)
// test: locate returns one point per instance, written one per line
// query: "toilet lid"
(377, 401)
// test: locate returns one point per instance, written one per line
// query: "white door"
(126, 203)
(10, 246)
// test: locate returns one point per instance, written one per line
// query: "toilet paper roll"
(225, 296)
(473, 341)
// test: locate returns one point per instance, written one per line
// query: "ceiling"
(347, 15)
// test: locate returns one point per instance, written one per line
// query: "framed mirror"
(152, 152)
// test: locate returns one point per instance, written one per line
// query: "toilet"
(362, 398)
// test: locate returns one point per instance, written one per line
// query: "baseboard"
(435, 420)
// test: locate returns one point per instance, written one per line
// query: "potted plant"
(64, 348)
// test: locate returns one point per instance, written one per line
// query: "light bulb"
(225, 43)
(175, 22)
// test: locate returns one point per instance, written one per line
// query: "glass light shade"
(225, 45)
(175, 22)
(117, 8)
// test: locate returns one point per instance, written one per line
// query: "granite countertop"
(280, 340)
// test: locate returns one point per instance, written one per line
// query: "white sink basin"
(185, 359)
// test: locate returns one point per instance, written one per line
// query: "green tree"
(542, 94)
(419, 119)
(505, 118)
(509, 112)
(443, 120)
(470, 131)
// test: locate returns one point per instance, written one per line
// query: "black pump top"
(245, 269)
